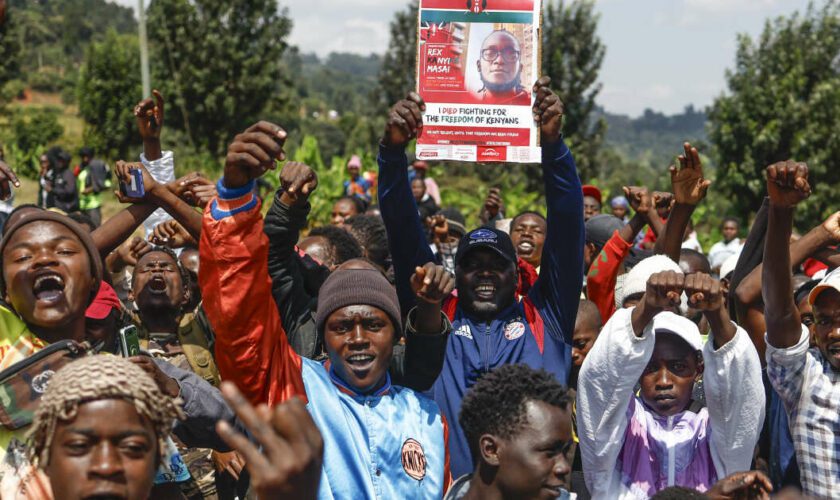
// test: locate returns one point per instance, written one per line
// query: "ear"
(724, 285)
(488, 446)
(700, 366)
(130, 296)
(187, 295)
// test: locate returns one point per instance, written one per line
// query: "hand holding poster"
(477, 61)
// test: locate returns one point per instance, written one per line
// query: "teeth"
(485, 288)
(526, 246)
(41, 281)
(360, 357)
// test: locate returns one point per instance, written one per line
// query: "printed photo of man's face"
(499, 62)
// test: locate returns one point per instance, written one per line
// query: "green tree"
(219, 63)
(572, 55)
(109, 87)
(783, 102)
(9, 58)
(397, 74)
(32, 129)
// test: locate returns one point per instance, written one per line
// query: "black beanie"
(350, 287)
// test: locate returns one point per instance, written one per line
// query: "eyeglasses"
(508, 55)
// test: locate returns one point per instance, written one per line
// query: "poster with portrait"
(477, 61)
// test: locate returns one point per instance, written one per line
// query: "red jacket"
(600, 281)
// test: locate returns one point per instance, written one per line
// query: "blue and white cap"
(486, 237)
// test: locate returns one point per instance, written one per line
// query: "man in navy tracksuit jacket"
(490, 326)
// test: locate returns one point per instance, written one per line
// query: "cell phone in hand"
(129, 341)
(134, 188)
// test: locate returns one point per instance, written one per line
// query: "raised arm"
(283, 222)
(827, 233)
(787, 185)
(251, 346)
(556, 292)
(731, 379)
(149, 114)
(406, 236)
(689, 189)
(605, 391)
(427, 330)
(604, 270)
(115, 230)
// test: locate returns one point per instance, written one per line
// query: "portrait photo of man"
(500, 69)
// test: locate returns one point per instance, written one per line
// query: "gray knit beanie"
(350, 287)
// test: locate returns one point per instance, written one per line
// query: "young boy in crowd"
(381, 440)
(633, 446)
(519, 442)
(807, 380)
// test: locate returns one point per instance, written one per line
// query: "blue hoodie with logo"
(537, 330)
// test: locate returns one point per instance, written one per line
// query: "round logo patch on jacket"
(514, 330)
(413, 459)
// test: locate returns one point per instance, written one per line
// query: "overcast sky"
(661, 54)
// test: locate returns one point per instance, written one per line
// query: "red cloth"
(601, 278)
(105, 301)
(590, 190)
(527, 277)
(813, 266)
(236, 290)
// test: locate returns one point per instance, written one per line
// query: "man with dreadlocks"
(161, 291)
(101, 430)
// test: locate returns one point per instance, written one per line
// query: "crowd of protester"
(198, 344)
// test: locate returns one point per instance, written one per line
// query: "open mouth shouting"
(485, 290)
(525, 247)
(48, 288)
(157, 285)
(360, 363)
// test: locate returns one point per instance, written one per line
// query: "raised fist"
(640, 200)
(405, 121)
(787, 183)
(548, 111)
(493, 203)
(664, 289)
(149, 114)
(253, 152)
(832, 226)
(703, 291)
(431, 283)
(298, 182)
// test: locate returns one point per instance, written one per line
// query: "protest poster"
(477, 61)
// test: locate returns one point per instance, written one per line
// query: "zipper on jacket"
(486, 347)
(671, 457)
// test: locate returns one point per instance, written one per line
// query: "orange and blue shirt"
(391, 443)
